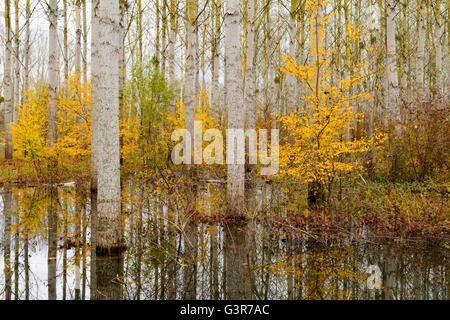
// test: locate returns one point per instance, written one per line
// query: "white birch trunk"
(292, 79)
(78, 36)
(52, 72)
(105, 102)
(190, 67)
(85, 32)
(164, 38)
(8, 105)
(215, 101)
(235, 172)
(51, 140)
(172, 39)
(66, 43)
(420, 50)
(438, 34)
(26, 82)
(7, 82)
(249, 93)
(392, 77)
(16, 61)
(195, 51)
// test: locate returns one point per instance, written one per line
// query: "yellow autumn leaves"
(29, 133)
(316, 145)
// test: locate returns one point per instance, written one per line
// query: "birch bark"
(172, 40)
(215, 53)
(392, 77)
(16, 60)
(420, 49)
(292, 79)
(51, 140)
(438, 34)
(8, 148)
(235, 172)
(249, 92)
(105, 102)
(7, 82)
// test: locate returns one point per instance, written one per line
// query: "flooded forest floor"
(368, 240)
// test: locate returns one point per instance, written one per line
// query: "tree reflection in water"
(109, 276)
(172, 258)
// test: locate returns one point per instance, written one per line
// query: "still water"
(171, 257)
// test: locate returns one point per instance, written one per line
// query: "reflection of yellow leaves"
(211, 229)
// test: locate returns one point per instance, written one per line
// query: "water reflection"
(174, 257)
(109, 277)
(237, 263)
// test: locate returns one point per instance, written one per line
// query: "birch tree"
(8, 107)
(26, 85)
(392, 99)
(233, 68)
(51, 140)
(292, 83)
(249, 92)
(438, 41)
(16, 59)
(65, 41)
(105, 105)
(78, 36)
(26, 82)
(171, 38)
(7, 82)
(420, 48)
(215, 52)
(190, 67)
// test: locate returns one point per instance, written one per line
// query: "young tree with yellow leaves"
(315, 149)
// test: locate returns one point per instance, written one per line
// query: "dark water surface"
(169, 257)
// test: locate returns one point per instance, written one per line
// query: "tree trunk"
(78, 36)
(122, 64)
(190, 78)
(157, 36)
(105, 105)
(52, 73)
(66, 43)
(438, 33)
(16, 61)
(164, 37)
(292, 79)
(233, 69)
(85, 33)
(51, 140)
(250, 69)
(7, 84)
(139, 33)
(78, 188)
(420, 50)
(393, 87)
(215, 56)
(95, 59)
(26, 82)
(172, 39)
